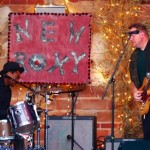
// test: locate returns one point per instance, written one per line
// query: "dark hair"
(139, 27)
(12, 67)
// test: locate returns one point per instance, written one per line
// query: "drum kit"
(24, 120)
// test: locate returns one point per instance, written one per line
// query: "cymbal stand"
(38, 147)
(38, 141)
(46, 123)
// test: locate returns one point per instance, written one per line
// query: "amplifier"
(135, 145)
(118, 142)
(60, 129)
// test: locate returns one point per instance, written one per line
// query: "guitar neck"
(147, 86)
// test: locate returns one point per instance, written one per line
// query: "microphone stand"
(72, 119)
(112, 81)
(74, 99)
(74, 95)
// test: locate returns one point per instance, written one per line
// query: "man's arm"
(135, 92)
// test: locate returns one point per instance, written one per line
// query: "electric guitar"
(145, 96)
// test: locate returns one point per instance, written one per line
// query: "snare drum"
(5, 131)
(24, 117)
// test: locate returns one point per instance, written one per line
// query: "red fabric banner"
(52, 48)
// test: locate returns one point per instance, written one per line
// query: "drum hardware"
(46, 122)
(28, 141)
(38, 147)
(30, 97)
(31, 119)
(23, 115)
(32, 145)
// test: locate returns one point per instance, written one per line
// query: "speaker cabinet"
(60, 129)
(118, 142)
(135, 145)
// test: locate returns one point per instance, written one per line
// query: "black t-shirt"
(141, 66)
(5, 98)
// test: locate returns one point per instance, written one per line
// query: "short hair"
(139, 26)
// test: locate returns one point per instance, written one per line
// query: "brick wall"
(88, 103)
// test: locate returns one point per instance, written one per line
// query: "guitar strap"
(147, 49)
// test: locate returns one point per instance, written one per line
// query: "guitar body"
(145, 103)
(144, 107)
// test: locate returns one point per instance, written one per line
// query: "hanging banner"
(52, 48)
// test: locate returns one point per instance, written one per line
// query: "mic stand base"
(70, 137)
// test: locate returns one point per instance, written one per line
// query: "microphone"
(132, 32)
(148, 75)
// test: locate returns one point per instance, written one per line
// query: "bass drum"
(5, 131)
(24, 117)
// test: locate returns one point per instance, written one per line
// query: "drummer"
(8, 75)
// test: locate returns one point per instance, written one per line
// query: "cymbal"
(60, 88)
(66, 88)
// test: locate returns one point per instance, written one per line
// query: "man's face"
(15, 75)
(136, 39)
